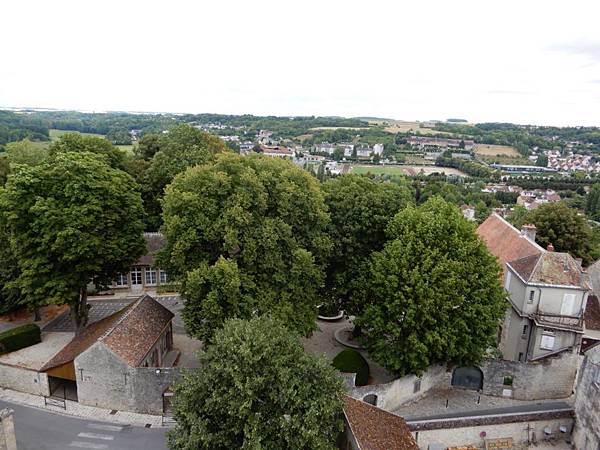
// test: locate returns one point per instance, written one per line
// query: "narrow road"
(37, 429)
(519, 409)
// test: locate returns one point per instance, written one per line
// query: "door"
(136, 279)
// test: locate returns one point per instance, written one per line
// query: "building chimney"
(550, 247)
(529, 230)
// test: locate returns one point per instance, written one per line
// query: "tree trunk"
(36, 314)
(79, 311)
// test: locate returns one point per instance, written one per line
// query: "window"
(547, 342)
(525, 329)
(136, 276)
(520, 356)
(507, 280)
(163, 277)
(508, 380)
(531, 295)
(567, 305)
(121, 280)
(150, 273)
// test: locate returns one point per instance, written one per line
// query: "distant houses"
(425, 141)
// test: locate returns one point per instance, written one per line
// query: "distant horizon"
(454, 120)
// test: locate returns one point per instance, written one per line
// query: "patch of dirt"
(24, 315)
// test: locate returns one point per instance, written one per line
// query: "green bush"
(168, 288)
(20, 337)
(351, 361)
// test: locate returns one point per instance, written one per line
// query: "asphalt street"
(37, 429)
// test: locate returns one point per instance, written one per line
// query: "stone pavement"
(447, 401)
(82, 411)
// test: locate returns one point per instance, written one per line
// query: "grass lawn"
(378, 170)
(56, 134)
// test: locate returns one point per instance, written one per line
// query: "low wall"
(552, 377)
(587, 402)
(520, 431)
(24, 380)
(403, 390)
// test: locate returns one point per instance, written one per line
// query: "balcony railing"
(557, 320)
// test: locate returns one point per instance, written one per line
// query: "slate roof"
(154, 243)
(376, 429)
(551, 268)
(130, 333)
(506, 242)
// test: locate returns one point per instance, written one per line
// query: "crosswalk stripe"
(81, 444)
(104, 437)
(103, 427)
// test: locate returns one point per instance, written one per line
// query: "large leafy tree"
(246, 234)
(257, 389)
(360, 210)
(10, 296)
(433, 293)
(564, 228)
(4, 169)
(72, 220)
(79, 143)
(173, 152)
(26, 152)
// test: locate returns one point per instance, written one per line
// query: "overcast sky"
(523, 61)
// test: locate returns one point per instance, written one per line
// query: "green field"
(378, 170)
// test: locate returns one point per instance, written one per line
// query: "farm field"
(404, 170)
(338, 128)
(494, 150)
(400, 126)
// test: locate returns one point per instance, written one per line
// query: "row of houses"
(362, 150)
(425, 141)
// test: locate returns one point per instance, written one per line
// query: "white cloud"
(527, 62)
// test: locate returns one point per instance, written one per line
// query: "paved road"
(528, 408)
(37, 429)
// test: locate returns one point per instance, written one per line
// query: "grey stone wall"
(24, 380)
(552, 377)
(105, 381)
(587, 403)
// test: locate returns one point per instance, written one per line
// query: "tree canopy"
(25, 152)
(257, 389)
(79, 143)
(72, 220)
(246, 234)
(433, 294)
(564, 228)
(360, 210)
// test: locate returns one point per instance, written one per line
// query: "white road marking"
(104, 437)
(81, 444)
(100, 426)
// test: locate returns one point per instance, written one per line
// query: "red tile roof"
(376, 429)
(506, 242)
(130, 333)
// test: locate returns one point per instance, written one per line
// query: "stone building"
(587, 403)
(144, 274)
(547, 292)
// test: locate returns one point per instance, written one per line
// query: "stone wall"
(105, 381)
(406, 389)
(552, 377)
(24, 380)
(8, 440)
(587, 403)
(520, 432)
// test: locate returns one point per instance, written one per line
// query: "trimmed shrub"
(351, 361)
(20, 337)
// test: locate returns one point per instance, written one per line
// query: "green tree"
(148, 146)
(518, 216)
(4, 169)
(257, 389)
(182, 147)
(26, 152)
(360, 210)
(338, 154)
(433, 294)
(72, 220)
(541, 161)
(251, 221)
(75, 142)
(592, 202)
(564, 228)
(10, 296)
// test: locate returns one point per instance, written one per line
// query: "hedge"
(351, 361)
(20, 337)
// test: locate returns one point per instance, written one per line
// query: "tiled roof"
(551, 268)
(130, 333)
(138, 330)
(376, 429)
(591, 316)
(506, 242)
(154, 243)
